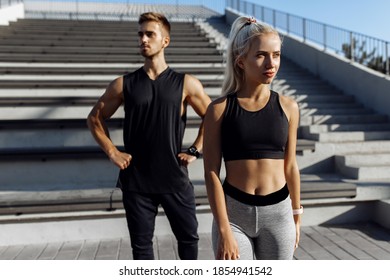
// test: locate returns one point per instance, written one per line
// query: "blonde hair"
(242, 31)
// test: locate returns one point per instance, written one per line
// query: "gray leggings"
(262, 232)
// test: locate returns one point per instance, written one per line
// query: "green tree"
(358, 52)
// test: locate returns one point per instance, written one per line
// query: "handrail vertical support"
(324, 36)
(288, 23)
(262, 14)
(387, 58)
(352, 46)
(274, 18)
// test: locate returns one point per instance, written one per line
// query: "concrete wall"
(369, 87)
(11, 13)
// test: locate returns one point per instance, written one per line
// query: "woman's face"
(261, 63)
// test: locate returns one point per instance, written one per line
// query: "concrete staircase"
(53, 71)
(350, 139)
(45, 102)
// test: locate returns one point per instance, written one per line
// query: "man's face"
(152, 39)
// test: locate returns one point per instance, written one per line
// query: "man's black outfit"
(153, 133)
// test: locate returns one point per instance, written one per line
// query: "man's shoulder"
(132, 73)
(191, 79)
(175, 72)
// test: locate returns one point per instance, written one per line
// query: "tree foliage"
(358, 52)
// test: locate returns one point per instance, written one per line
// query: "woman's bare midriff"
(257, 176)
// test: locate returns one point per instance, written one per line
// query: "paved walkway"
(346, 242)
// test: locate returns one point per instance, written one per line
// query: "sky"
(371, 17)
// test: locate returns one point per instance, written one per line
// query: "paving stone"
(89, 250)
(31, 252)
(343, 242)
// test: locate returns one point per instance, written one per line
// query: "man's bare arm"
(196, 97)
(106, 106)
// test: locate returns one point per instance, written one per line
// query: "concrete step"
(96, 70)
(91, 31)
(182, 30)
(336, 98)
(329, 105)
(76, 173)
(343, 119)
(43, 22)
(44, 103)
(99, 28)
(362, 172)
(57, 137)
(56, 111)
(68, 93)
(86, 78)
(184, 50)
(364, 166)
(334, 111)
(279, 81)
(322, 128)
(301, 84)
(51, 93)
(366, 147)
(74, 81)
(192, 34)
(74, 58)
(363, 159)
(54, 142)
(97, 42)
(49, 112)
(348, 136)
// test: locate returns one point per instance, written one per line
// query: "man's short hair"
(157, 17)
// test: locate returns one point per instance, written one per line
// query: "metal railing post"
(77, 9)
(262, 13)
(387, 59)
(177, 9)
(352, 46)
(288, 24)
(274, 18)
(324, 30)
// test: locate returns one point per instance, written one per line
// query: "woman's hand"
(228, 248)
(297, 220)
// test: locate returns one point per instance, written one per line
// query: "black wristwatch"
(193, 151)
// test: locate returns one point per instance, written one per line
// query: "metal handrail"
(366, 50)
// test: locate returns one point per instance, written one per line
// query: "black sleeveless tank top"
(153, 133)
(254, 135)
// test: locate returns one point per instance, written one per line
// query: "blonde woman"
(254, 129)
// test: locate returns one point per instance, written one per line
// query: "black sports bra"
(254, 135)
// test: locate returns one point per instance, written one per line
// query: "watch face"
(193, 151)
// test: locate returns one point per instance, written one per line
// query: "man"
(153, 170)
